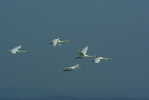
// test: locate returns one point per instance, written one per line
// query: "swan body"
(82, 54)
(72, 68)
(97, 60)
(58, 41)
(14, 50)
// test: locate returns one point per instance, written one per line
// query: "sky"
(115, 29)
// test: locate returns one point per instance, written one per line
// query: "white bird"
(72, 68)
(14, 50)
(58, 41)
(82, 54)
(97, 60)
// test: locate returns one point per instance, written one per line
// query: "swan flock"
(81, 54)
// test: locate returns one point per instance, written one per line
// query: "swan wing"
(80, 53)
(16, 48)
(60, 44)
(70, 68)
(84, 50)
(97, 60)
(12, 51)
(76, 66)
(54, 42)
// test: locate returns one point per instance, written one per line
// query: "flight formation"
(81, 54)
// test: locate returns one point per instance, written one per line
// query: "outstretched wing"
(60, 44)
(69, 68)
(14, 52)
(97, 60)
(16, 48)
(76, 66)
(80, 53)
(84, 50)
(54, 42)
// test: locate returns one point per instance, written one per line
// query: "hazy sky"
(110, 28)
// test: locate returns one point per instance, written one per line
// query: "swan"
(72, 68)
(58, 41)
(97, 60)
(14, 50)
(82, 54)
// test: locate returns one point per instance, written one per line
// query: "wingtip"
(76, 57)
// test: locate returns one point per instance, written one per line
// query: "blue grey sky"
(110, 28)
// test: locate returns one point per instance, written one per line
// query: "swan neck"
(21, 51)
(90, 56)
(64, 41)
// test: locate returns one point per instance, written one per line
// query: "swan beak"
(82, 68)
(70, 41)
(96, 56)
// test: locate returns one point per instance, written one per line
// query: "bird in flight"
(82, 54)
(58, 41)
(72, 68)
(97, 60)
(14, 50)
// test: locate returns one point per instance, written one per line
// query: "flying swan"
(14, 50)
(58, 41)
(97, 60)
(82, 54)
(72, 68)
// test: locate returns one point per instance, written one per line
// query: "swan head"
(25, 51)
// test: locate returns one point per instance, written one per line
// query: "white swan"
(97, 60)
(58, 41)
(14, 50)
(72, 68)
(82, 54)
